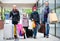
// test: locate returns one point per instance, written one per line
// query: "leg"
(44, 29)
(47, 30)
(24, 36)
(25, 31)
(15, 34)
(35, 30)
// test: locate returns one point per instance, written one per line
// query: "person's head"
(52, 11)
(24, 15)
(34, 9)
(14, 7)
(46, 3)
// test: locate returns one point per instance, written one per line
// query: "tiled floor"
(39, 38)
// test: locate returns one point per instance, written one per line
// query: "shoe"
(34, 37)
(15, 36)
(47, 36)
(44, 35)
(24, 37)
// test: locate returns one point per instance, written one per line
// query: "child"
(25, 23)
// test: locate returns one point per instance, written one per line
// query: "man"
(15, 18)
(46, 12)
(35, 17)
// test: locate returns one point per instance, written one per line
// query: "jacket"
(25, 22)
(35, 16)
(45, 13)
(15, 16)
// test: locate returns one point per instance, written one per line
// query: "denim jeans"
(47, 29)
(35, 30)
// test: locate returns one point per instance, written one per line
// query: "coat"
(25, 22)
(15, 16)
(46, 12)
(44, 15)
(35, 17)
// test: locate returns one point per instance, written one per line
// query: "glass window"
(52, 26)
(58, 24)
(57, 3)
(52, 4)
(0, 13)
(58, 15)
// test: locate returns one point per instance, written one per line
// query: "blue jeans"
(47, 29)
(35, 30)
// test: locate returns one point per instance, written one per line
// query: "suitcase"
(29, 33)
(20, 29)
(8, 30)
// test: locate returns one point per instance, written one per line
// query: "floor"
(39, 38)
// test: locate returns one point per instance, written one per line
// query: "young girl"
(25, 23)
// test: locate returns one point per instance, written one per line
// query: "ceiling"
(19, 3)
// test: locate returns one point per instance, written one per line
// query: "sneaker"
(24, 37)
(44, 35)
(34, 37)
(47, 36)
(15, 36)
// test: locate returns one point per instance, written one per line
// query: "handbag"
(33, 24)
(52, 18)
(42, 28)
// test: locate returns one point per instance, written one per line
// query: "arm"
(38, 17)
(18, 15)
(10, 15)
(31, 16)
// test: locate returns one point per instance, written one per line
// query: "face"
(34, 9)
(46, 3)
(25, 15)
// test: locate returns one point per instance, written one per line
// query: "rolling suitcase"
(8, 30)
(29, 33)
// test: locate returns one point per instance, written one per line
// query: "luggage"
(1, 24)
(29, 33)
(42, 28)
(8, 30)
(20, 29)
(22, 32)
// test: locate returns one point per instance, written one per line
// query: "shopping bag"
(22, 32)
(33, 24)
(52, 18)
(42, 28)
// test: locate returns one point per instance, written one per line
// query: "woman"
(15, 18)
